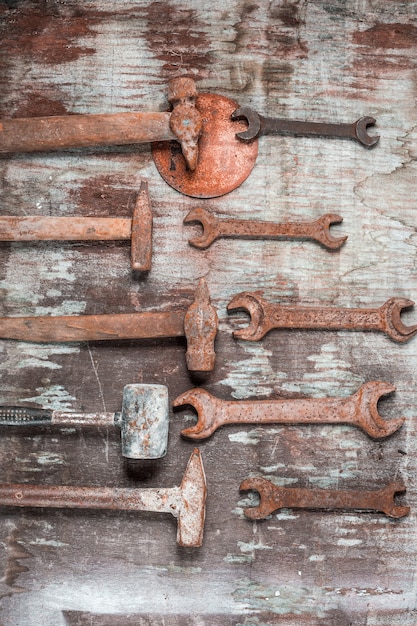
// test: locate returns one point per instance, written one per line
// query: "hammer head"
(200, 328)
(185, 120)
(144, 421)
(193, 503)
(141, 235)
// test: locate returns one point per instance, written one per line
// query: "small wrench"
(214, 228)
(266, 316)
(258, 125)
(360, 410)
(273, 497)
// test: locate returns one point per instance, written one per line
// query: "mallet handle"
(37, 134)
(120, 499)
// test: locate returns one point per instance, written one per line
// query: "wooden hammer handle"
(39, 134)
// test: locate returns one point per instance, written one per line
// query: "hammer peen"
(138, 229)
(187, 502)
(198, 324)
(143, 420)
(39, 134)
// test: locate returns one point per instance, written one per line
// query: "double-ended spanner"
(360, 409)
(183, 124)
(198, 324)
(258, 125)
(138, 229)
(273, 497)
(215, 227)
(187, 502)
(266, 316)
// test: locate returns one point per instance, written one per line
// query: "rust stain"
(105, 195)
(178, 39)
(47, 38)
(15, 552)
(387, 36)
(36, 105)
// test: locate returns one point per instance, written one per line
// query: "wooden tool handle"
(75, 131)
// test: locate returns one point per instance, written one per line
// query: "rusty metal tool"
(360, 409)
(273, 498)
(266, 316)
(143, 420)
(258, 125)
(215, 227)
(198, 325)
(138, 229)
(186, 502)
(184, 125)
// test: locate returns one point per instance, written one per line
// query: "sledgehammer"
(187, 502)
(143, 420)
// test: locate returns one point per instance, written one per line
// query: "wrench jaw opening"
(367, 417)
(361, 131)
(253, 120)
(392, 325)
(389, 507)
(209, 225)
(205, 406)
(323, 235)
(255, 305)
(269, 497)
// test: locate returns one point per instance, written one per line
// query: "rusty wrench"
(360, 409)
(258, 125)
(266, 316)
(215, 227)
(273, 497)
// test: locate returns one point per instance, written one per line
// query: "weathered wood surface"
(308, 60)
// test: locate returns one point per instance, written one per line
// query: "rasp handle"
(24, 416)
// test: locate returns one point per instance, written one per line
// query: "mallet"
(186, 502)
(138, 229)
(143, 420)
(198, 324)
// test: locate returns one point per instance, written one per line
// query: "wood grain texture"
(333, 61)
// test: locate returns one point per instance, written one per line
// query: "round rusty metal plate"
(224, 162)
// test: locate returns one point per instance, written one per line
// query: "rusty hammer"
(187, 502)
(198, 324)
(40, 134)
(143, 420)
(138, 229)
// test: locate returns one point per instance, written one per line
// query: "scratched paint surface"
(318, 60)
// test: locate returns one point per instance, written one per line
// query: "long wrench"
(273, 498)
(138, 229)
(361, 410)
(198, 324)
(258, 125)
(184, 125)
(215, 227)
(266, 316)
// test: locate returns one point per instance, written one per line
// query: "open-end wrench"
(361, 410)
(273, 498)
(215, 227)
(266, 316)
(258, 125)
